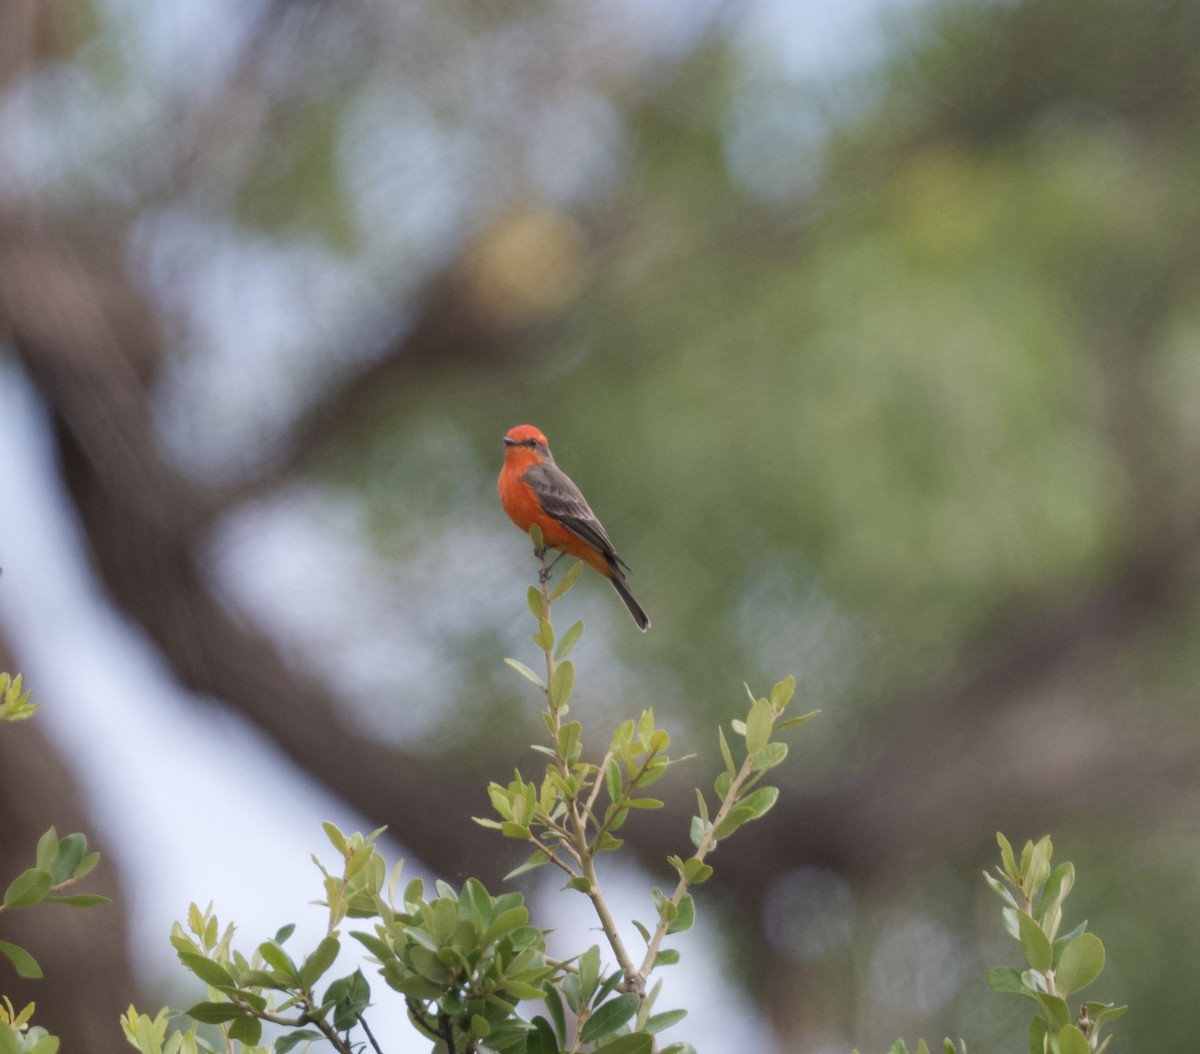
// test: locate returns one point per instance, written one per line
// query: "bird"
(533, 489)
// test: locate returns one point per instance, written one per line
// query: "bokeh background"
(871, 330)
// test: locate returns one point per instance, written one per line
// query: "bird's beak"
(509, 442)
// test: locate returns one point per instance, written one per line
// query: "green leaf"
(275, 957)
(207, 970)
(1034, 943)
(1037, 1036)
(633, 1043)
(1101, 1012)
(319, 961)
(537, 606)
(29, 887)
(1001, 890)
(246, 1030)
(771, 755)
(335, 836)
(24, 963)
(589, 973)
(527, 673)
(554, 1006)
(1007, 859)
(569, 640)
(1080, 964)
(480, 1026)
(609, 986)
(758, 725)
(696, 871)
(1009, 917)
(70, 853)
(291, 1039)
(284, 932)
(732, 821)
(666, 957)
(563, 682)
(568, 580)
(80, 900)
(1058, 885)
(606, 1019)
(47, 849)
(1038, 868)
(612, 779)
(535, 860)
(429, 965)
(264, 979)
(679, 1048)
(685, 917)
(505, 923)
(541, 1040)
(760, 801)
(86, 865)
(544, 637)
(522, 990)
(659, 1022)
(783, 691)
(792, 722)
(214, 1013)
(1055, 1010)
(1072, 1041)
(726, 753)
(1006, 979)
(568, 738)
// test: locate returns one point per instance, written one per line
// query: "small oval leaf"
(1080, 964)
(28, 888)
(1034, 942)
(24, 963)
(526, 672)
(606, 1019)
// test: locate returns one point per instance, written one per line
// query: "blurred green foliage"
(949, 385)
(943, 381)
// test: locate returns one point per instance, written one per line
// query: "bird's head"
(527, 437)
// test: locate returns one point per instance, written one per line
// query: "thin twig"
(578, 823)
(370, 1036)
(702, 850)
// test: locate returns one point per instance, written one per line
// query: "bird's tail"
(635, 609)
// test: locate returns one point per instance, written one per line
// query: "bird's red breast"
(525, 446)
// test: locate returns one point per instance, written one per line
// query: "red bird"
(533, 489)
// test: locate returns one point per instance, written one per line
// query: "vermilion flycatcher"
(533, 489)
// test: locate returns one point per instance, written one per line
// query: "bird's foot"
(544, 573)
